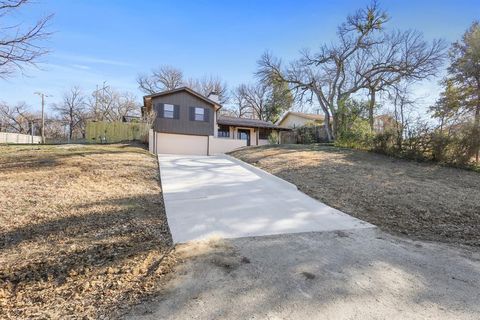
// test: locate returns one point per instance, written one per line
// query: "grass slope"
(83, 232)
(420, 200)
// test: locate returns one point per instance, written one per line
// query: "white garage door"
(182, 144)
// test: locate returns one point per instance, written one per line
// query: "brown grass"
(83, 232)
(421, 200)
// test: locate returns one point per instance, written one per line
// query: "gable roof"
(307, 116)
(245, 122)
(187, 89)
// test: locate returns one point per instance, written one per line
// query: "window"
(168, 111)
(223, 131)
(264, 133)
(199, 114)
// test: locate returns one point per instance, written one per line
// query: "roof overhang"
(148, 98)
(248, 123)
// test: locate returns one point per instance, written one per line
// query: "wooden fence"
(8, 137)
(111, 132)
(304, 135)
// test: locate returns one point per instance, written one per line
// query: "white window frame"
(167, 113)
(199, 114)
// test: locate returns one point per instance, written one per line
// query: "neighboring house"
(187, 122)
(383, 122)
(293, 119)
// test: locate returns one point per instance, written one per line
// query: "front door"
(244, 135)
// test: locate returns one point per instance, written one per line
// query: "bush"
(457, 148)
(358, 135)
(307, 134)
(273, 138)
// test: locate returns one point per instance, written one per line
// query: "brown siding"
(184, 125)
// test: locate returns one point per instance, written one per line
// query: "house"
(383, 122)
(293, 119)
(187, 122)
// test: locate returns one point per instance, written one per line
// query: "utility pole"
(103, 88)
(43, 95)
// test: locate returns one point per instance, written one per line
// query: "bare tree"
(161, 79)
(240, 108)
(209, 85)
(326, 74)
(169, 78)
(264, 101)
(112, 105)
(254, 99)
(16, 118)
(20, 45)
(365, 58)
(73, 111)
(398, 56)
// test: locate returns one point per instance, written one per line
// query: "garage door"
(182, 144)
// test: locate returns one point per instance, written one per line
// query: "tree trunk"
(371, 107)
(477, 132)
(328, 128)
(476, 127)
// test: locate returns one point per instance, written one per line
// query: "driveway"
(346, 275)
(353, 272)
(219, 196)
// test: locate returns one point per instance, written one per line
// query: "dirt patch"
(419, 200)
(217, 252)
(83, 231)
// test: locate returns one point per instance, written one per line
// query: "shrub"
(273, 138)
(358, 135)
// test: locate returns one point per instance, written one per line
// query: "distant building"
(293, 119)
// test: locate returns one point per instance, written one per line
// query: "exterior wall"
(253, 134)
(224, 145)
(215, 126)
(7, 137)
(294, 121)
(181, 144)
(262, 142)
(184, 125)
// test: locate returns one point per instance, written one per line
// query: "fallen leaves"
(420, 200)
(86, 238)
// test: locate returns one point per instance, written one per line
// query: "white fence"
(8, 137)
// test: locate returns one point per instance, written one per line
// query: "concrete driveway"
(358, 272)
(340, 275)
(219, 196)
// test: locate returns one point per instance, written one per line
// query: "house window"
(168, 111)
(223, 131)
(263, 134)
(199, 114)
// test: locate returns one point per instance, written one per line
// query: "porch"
(255, 132)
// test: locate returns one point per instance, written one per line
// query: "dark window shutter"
(191, 113)
(176, 112)
(159, 110)
(206, 115)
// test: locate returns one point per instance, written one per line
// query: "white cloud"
(80, 66)
(87, 59)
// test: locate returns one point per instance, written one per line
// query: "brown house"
(187, 122)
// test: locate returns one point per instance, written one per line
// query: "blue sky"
(113, 41)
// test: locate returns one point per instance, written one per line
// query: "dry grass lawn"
(83, 232)
(421, 200)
